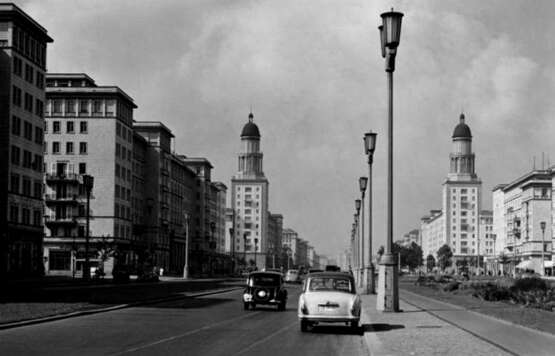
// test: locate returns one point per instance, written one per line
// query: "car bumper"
(328, 318)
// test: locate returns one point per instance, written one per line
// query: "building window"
(14, 183)
(56, 127)
(29, 73)
(70, 108)
(37, 218)
(16, 125)
(69, 148)
(27, 159)
(14, 213)
(15, 155)
(82, 168)
(26, 186)
(111, 108)
(83, 107)
(27, 130)
(39, 108)
(17, 66)
(97, 107)
(40, 80)
(83, 148)
(70, 127)
(37, 191)
(28, 102)
(16, 96)
(56, 147)
(83, 127)
(39, 135)
(59, 260)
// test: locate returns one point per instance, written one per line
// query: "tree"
(414, 256)
(430, 262)
(444, 255)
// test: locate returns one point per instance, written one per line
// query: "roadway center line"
(253, 345)
(190, 332)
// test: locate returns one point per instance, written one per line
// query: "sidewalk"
(416, 332)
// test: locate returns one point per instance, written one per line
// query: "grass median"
(538, 319)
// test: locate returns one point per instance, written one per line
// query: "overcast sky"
(313, 74)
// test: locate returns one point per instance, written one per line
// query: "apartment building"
(88, 130)
(23, 44)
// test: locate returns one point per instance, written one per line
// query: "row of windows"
(122, 231)
(122, 211)
(27, 130)
(23, 216)
(123, 132)
(70, 127)
(123, 193)
(29, 46)
(123, 153)
(123, 173)
(23, 184)
(25, 160)
(81, 107)
(31, 76)
(69, 148)
(19, 97)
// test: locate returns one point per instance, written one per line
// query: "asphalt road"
(209, 325)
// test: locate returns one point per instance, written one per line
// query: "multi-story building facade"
(432, 231)
(527, 203)
(249, 198)
(275, 231)
(23, 45)
(88, 130)
(410, 237)
(219, 197)
(289, 238)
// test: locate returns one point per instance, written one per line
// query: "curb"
(112, 308)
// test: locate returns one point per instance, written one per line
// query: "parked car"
(292, 276)
(329, 297)
(265, 288)
(333, 268)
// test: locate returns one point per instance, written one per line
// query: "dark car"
(265, 288)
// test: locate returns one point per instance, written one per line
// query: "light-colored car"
(329, 297)
(292, 276)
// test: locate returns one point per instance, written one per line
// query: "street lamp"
(245, 248)
(542, 226)
(255, 248)
(88, 183)
(388, 291)
(362, 183)
(186, 267)
(358, 204)
(369, 148)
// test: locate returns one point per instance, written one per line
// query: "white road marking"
(190, 332)
(253, 345)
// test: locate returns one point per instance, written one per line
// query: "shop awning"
(526, 264)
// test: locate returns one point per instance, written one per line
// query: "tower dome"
(250, 130)
(462, 131)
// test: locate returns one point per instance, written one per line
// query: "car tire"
(304, 326)
(282, 306)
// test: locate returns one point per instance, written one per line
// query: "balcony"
(62, 177)
(51, 220)
(57, 199)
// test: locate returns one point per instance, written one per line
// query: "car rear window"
(265, 280)
(331, 284)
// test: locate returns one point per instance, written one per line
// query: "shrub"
(451, 286)
(527, 284)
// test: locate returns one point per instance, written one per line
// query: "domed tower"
(250, 159)
(462, 158)
(249, 199)
(462, 195)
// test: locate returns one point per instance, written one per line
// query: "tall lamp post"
(388, 288)
(362, 183)
(359, 242)
(245, 249)
(355, 248)
(369, 148)
(88, 183)
(186, 267)
(542, 226)
(255, 248)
